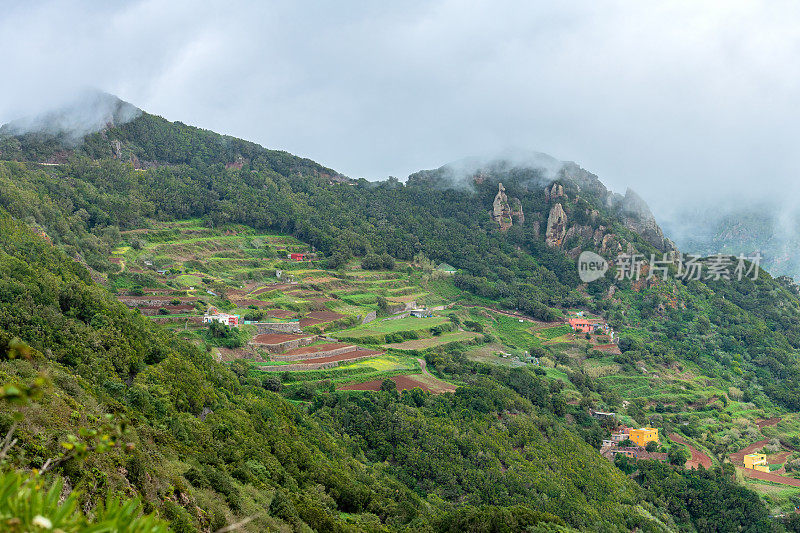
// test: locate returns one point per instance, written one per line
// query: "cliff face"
(556, 226)
(638, 218)
(503, 213)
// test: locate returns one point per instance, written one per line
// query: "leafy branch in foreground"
(29, 503)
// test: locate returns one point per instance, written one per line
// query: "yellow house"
(644, 435)
(756, 461)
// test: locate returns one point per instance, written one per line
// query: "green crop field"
(552, 333)
(445, 338)
(380, 327)
(514, 333)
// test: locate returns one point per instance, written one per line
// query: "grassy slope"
(208, 470)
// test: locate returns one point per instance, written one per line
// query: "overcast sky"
(671, 98)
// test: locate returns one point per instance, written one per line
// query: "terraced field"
(388, 325)
(423, 344)
(237, 270)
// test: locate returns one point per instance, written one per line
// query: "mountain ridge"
(119, 142)
(225, 441)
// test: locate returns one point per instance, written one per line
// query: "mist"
(88, 112)
(682, 101)
(460, 174)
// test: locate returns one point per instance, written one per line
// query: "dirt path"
(424, 366)
(698, 457)
(768, 422)
(433, 383)
(769, 476)
(738, 457)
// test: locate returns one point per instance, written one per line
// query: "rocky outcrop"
(584, 232)
(553, 192)
(638, 218)
(503, 213)
(578, 192)
(556, 226)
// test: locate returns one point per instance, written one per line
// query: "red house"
(581, 325)
(297, 257)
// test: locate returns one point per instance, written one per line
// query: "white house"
(222, 318)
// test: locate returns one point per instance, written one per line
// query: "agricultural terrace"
(357, 333)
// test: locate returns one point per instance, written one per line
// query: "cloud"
(679, 100)
(89, 112)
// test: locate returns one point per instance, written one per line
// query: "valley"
(280, 345)
(357, 332)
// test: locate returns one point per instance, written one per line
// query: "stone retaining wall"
(288, 345)
(310, 366)
(278, 327)
(315, 355)
(369, 317)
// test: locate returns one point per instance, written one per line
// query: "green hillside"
(210, 445)
(475, 416)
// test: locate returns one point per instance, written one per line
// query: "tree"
(371, 262)
(388, 385)
(383, 304)
(678, 455)
(651, 446)
(272, 383)
(387, 262)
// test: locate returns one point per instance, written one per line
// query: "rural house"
(297, 256)
(642, 436)
(581, 325)
(447, 269)
(756, 461)
(222, 318)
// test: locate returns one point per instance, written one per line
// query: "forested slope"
(213, 446)
(209, 445)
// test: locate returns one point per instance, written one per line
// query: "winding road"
(698, 457)
(737, 458)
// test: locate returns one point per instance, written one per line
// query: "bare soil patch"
(426, 382)
(738, 457)
(279, 313)
(768, 422)
(277, 338)
(347, 356)
(698, 457)
(305, 350)
(327, 316)
(769, 476)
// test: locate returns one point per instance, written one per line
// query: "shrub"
(27, 506)
(272, 383)
(136, 291)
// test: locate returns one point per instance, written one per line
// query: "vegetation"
(208, 443)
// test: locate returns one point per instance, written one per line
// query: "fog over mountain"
(89, 112)
(764, 226)
(679, 101)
